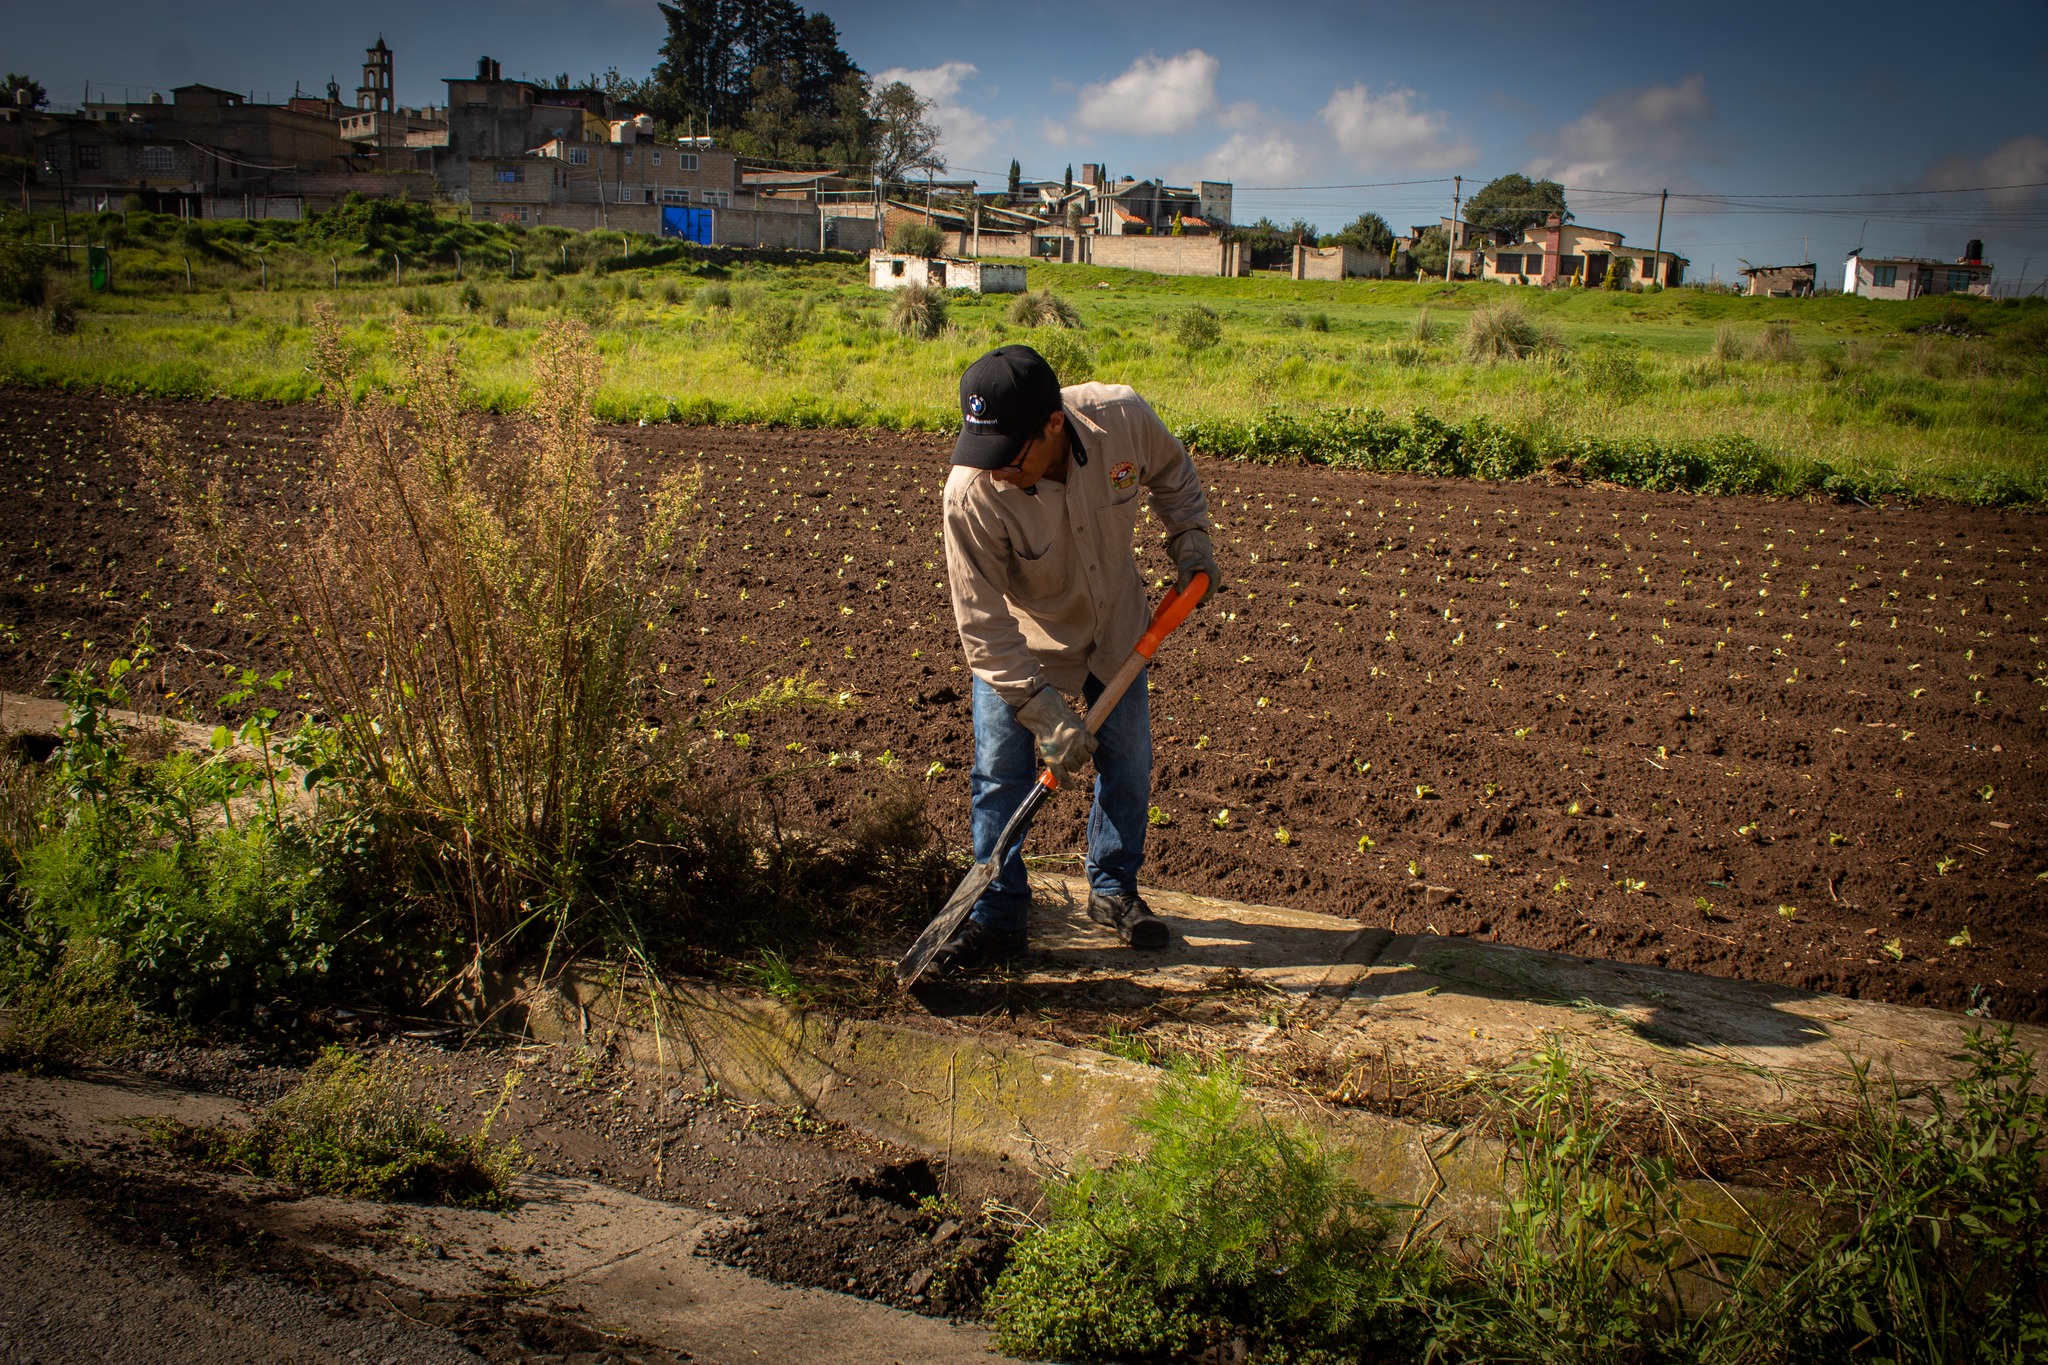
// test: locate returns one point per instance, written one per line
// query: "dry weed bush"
(1500, 332)
(470, 618)
(1043, 308)
(918, 312)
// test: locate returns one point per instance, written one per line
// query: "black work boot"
(1132, 919)
(975, 946)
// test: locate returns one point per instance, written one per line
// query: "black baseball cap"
(1005, 398)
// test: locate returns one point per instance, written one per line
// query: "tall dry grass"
(469, 615)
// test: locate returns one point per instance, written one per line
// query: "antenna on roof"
(1859, 238)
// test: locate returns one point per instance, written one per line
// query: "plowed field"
(1789, 742)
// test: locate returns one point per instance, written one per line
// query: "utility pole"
(1451, 238)
(1657, 251)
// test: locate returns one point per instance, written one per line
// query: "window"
(1507, 265)
(89, 159)
(656, 158)
(629, 158)
(1532, 264)
(157, 159)
(1958, 280)
(675, 196)
(1884, 276)
(722, 198)
(686, 161)
(579, 156)
(54, 159)
(1570, 265)
(511, 175)
(895, 267)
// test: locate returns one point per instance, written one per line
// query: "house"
(1561, 253)
(1132, 207)
(205, 152)
(810, 186)
(890, 270)
(1912, 277)
(1341, 262)
(386, 135)
(1780, 281)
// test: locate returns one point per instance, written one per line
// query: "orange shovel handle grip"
(1177, 607)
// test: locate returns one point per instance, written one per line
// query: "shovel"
(1174, 610)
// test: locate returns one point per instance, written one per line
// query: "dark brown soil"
(1783, 741)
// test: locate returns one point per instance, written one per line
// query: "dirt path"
(113, 1249)
(1787, 742)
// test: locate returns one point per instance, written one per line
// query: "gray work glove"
(1063, 739)
(1193, 554)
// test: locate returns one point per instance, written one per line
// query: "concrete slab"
(1263, 983)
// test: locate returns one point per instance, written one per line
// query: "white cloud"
(1260, 158)
(2022, 161)
(1628, 134)
(1154, 95)
(1388, 130)
(966, 134)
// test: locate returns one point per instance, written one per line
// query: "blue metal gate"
(692, 225)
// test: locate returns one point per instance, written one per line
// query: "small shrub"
(1069, 356)
(772, 331)
(1614, 375)
(60, 311)
(1774, 344)
(1317, 322)
(354, 1128)
(24, 272)
(1424, 330)
(74, 1014)
(1499, 331)
(917, 239)
(1231, 1227)
(1726, 345)
(714, 296)
(1043, 308)
(918, 312)
(470, 299)
(1197, 328)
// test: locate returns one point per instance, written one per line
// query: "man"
(1040, 508)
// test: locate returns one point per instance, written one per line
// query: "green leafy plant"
(1197, 328)
(355, 1128)
(1230, 1226)
(918, 312)
(1043, 308)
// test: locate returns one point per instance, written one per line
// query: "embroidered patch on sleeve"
(1124, 475)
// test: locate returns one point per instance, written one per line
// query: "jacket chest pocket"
(1042, 575)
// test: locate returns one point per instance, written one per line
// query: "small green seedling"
(1837, 840)
(1895, 950)
(1704, 906)
(1157, 818)
(1282, 837)
(1221, 819)
(1986, 792)
(1962, 940)
(1562, 886)
(1789, 911)
(1946, 864)
(1365, 842)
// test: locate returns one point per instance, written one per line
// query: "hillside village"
(584, 157)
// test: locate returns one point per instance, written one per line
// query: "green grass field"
(1862, 389)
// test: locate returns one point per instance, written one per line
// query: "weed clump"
(355, 1129)
(918, 312)
(1197, 328)
(917, 239)
(1500, 332)
(1232, 1228)
(499, 749)
(1043, 308)
(76, 1013)
(1069, 356)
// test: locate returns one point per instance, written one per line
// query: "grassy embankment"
(1658, 389)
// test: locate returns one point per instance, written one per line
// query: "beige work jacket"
(1045, 587)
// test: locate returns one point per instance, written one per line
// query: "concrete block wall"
(1170, 255)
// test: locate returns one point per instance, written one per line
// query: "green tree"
(1068, 187)
(1368, 232)
(1513, 202)
(1429, 251)
(12, 86)
(1016, 180)
(714, 48)
(906, 140)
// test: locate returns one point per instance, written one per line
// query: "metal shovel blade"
(950, 917)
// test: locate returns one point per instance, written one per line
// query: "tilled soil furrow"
(1785, 741)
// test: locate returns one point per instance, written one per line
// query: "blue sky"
(1724, 105)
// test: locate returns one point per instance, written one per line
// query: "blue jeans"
(1005, 766)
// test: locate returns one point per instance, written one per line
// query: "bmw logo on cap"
(977, 408)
